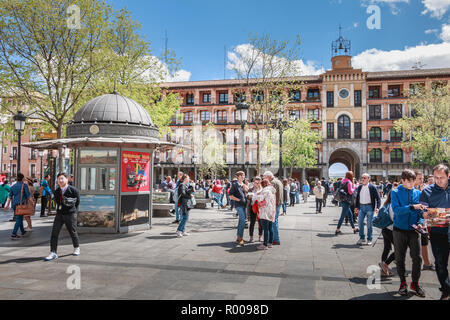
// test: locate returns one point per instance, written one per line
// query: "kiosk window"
(91, 184)
(89, 156)
(112, 178)
(103, 175)
(83, 178)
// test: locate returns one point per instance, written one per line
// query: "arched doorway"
(348, 158)
(337, 170)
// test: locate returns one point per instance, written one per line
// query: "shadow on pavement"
(392, 295)
(325, 235)
(162, 237)
(346, 246)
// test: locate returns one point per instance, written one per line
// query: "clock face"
(94, 129)
(343, 94)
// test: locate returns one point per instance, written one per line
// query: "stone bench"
(201, 200)
(161, 205)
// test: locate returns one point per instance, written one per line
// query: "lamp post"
(282, 125)
(41, 154)
(194, 161)
(243, 108)
(19, 126)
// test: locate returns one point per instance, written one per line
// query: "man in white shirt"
(367, 202)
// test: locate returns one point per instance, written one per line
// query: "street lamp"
(19, 126)
(41, 154)
(194, 161)
(282, 125)
(243, 108)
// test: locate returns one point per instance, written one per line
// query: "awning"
(75, 142)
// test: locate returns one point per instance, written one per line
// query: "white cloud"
(181, 75)
(245, 52)
(429, 31)
(437, 8)
(445, 34)
(430, 56)
(159, 72)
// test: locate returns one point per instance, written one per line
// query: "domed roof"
(113, 108)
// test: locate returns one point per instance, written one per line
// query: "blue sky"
(198, 30)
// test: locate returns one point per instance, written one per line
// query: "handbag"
(382, 219)
(26, 209)
(342, 196)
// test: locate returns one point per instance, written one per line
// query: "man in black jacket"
(67, 200)
(367, 202)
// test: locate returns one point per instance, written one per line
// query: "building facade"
(354, 110)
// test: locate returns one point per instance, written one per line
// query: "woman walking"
(185, 193)
(348, 188)
(4, 192)
(266, 208)
(217, 193)
(19, 194)
(306, 189)
(388, 239)
(252, 213)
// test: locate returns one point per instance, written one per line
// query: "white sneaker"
(179, 234)
(51, 256)
(361, 242)
(369, 243)
(186, 234)
(76, 252)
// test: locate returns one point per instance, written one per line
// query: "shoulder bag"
(26, 209)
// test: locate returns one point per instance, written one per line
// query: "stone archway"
(347, 157)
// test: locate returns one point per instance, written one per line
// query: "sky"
(205, 33)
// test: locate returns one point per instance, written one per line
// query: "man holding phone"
(407, 213)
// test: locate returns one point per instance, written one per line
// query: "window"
(437, 86)
(239, 97)
(14, 153)
(375, 155)
(207, 98)
(276, 96)
(5, 150)
(188, 116)
(313, 114)
(33, 154)
(295, 95)
(375, 112)
(344, 127)
(223, 98)
(205, 116)
(190, 99)
(394, 91)
(357, 98)
(258, 96)
(396, 135)
(14, 170)
(416, 88)
(375, 134)
(33, 170)
(330, 99)
(313, 95)
(221, 116)
(330, 130)
(395, 111)
(397, 155)
(357, 128)
(374, 92)
(91, 156)
(294, 114)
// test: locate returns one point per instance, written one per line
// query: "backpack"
(382, 219)
(293, 188)
(341, 195)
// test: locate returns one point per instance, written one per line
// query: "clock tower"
(344, 113)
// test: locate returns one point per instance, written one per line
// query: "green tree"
(428, 125)
(213, 150)
(299, 145)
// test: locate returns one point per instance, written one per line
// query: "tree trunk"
(61, 150)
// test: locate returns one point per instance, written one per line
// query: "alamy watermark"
(73, 20)
(374, 280)
(74, 280)
(374, 21)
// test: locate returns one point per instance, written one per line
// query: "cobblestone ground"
(310, 263)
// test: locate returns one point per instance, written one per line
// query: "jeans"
(388, 239)
(184, 219)
(292, 198)
(402, 241)
(365, 210)
(319, 203)
(276, 236)
(344, 213)
(297, 197)
(177, 211)
(70, 220)
(228, 199)
(217, 198)
(284, 207)
(17, 225)
(268, 232)
(241, 224)
(440, 248)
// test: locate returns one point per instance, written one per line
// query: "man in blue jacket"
(437, 195)
(408, 222)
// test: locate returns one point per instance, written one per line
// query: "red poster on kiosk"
(135, 171)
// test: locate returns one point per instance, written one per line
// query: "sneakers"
(179, 234)
(430, 267)
(356, 230)
(417, 290)
(361, 242)
(251, 240)
(15, 237)
(260, 239)
(337, 232)
(369, 243)
(261, 247)
(241, 242)
(403, 291)
(51, 256)
(185, 234)
(176, 221)
(76, 252)
(270, 245)
(28, 229)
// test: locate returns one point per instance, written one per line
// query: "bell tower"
(341, 53)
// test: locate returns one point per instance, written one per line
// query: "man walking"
(67, 200)
(437, 195)
(175, 198)
(319, 193)
(278, 201)
(326, 186)
(367, 201)
(46, 195)
(407, 223)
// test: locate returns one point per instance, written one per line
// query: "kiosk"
(113, 139)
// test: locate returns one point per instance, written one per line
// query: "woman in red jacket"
(217, 193)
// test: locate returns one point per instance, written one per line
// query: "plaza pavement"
(310, 263)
